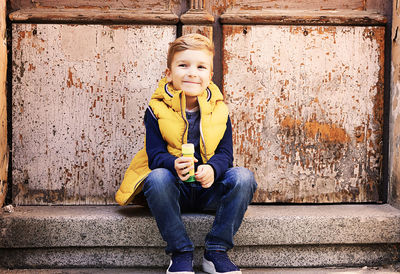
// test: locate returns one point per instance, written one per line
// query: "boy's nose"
(192, 72)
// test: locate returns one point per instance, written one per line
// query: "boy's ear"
(168, 74)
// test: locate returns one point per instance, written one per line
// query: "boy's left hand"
(205, 175)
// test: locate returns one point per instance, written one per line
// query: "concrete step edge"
(133, 226)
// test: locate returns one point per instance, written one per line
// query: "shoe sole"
(209, 267)
(181, 272)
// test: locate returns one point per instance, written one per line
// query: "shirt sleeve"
(222, 160)
(156, 147)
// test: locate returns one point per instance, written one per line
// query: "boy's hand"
(205, 175)
(182, 166)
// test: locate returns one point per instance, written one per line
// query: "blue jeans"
(167, 196)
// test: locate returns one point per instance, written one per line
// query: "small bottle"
(188, 151)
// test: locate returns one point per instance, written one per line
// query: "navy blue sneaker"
(181, 263)
(218, 262)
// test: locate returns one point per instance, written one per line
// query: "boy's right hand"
(183, 165)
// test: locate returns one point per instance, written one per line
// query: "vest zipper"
(202, 137)
(184, 118)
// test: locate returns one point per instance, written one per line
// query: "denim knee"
(242, 178)
(159, 182)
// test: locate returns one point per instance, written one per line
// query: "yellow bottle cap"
(187, 148)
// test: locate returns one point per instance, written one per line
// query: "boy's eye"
(182, 65)
(202, 67)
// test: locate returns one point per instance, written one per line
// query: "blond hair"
(193, 41)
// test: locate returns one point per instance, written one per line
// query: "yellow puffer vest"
(168, 105)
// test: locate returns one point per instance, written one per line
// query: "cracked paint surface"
(306, 106)
(79, 96)
(394, 126)
(3, 105)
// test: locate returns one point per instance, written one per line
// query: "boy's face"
(190, 71)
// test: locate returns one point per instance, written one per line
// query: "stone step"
(270, 236)
(388, 269)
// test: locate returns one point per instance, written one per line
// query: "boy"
(188, 108)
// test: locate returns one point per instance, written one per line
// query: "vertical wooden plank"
(381, 6)
(203, 30)
(306, 106)
(197, 19)
(394, 126)
(79, 95)
(3, 105)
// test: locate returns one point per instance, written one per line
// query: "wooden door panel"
(306, 105)
(79, 96)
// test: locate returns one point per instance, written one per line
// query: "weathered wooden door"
(3, 105)
(307, 105)
(79, 95)
(305, 93)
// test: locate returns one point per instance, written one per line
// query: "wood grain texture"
(104, 4)
(203, 30)
(306, 106)
(198, 17)
(79, 96)
(94, 15)
(301, 4)
(394, 124)
(303, 17)
(214, 7)
(97, 11)
(3, 105)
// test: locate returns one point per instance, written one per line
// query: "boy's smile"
(190, 71)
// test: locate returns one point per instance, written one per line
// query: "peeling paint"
(203, 30)
(3, 106)
(78, 107)
(300, 4)
(328, 133)
(394, 123)
(325, 132)
(307, 107)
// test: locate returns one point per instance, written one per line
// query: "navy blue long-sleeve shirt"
(159, 157)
